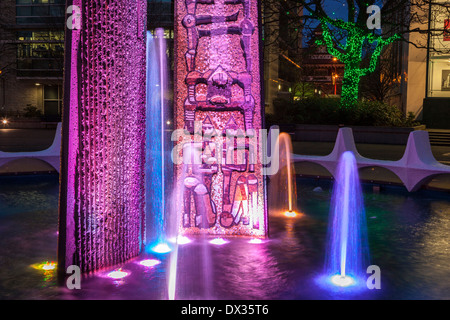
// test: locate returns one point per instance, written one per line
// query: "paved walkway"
(18, 140)
(22, 140)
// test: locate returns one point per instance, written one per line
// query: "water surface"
(408, 239)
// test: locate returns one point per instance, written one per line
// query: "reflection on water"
(408, 239)
(28, 236)
(28, 194)
(431, 259)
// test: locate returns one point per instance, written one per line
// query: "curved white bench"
(51, 155)
(415, 167)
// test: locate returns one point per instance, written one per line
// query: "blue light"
(342, 281)
(343, 287)
(149, 263)
(157, 171)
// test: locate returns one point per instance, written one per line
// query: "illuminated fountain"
(114, 172)
(283, 190)
(347, 251)
(157, 166)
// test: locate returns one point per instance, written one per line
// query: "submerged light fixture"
(46, 266)
(218, 241)
(118, 274)
(342, 281)
(161, 248)
(149, 263)
(290, 214)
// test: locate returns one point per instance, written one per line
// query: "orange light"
(284, 56)
(49, 266)
(290, 214)
(46, 266)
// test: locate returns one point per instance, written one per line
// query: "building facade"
(436, 103)
(31, 63)
(282, 46)
(321, 71)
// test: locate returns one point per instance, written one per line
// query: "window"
(40, 53)
(321, 72)
(40, 1)
(160, 13)
(40, 12)
(52, 102)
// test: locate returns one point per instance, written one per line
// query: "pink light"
(118, 274)
(181, 240)
(149, 263)
(218, 241)
(255, 241)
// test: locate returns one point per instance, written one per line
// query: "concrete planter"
(362, 134)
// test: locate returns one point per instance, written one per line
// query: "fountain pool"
(407, 235)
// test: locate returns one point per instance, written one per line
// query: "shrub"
(328, 111)
(31, 111)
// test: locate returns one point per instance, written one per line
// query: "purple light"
(181, 240)
(256, 241)
(342, 281)
(218, 241)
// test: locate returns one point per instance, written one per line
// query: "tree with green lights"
(350, 42)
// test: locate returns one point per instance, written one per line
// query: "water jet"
(347, 251)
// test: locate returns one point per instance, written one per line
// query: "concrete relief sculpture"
(218, 97)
